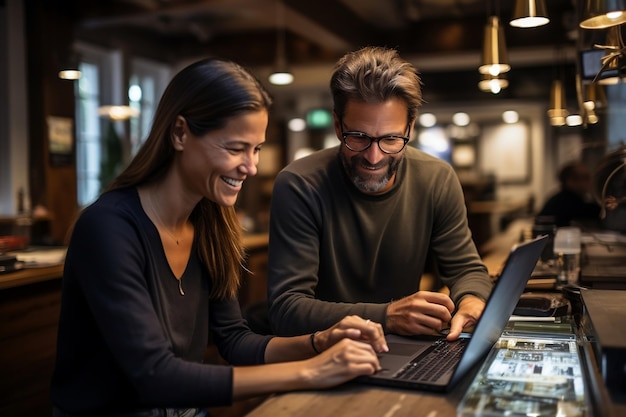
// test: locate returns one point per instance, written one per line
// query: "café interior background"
(61, 140)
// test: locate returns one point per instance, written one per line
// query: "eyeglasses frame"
(344, 135)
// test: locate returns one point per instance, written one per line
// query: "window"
(147, 82)
(92, 90)
(88, 133)
(102, 84)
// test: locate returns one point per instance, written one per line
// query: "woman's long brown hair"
(207, 94)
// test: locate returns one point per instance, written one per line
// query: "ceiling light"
(495, 57)
(280, 76)
(593, 97)
(69, 69)
(595, 94)
(601, 14)
(297, 124)
(461, 118)
(574, 120)
(591, 117)
(117, 113)
(557, 111)
(529, 14)
(70, 74)
(510, 116)
(493, 83)
(427, 120)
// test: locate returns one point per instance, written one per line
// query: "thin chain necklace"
(156, 214)
(176, 239)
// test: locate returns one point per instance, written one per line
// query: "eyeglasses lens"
(359, 143)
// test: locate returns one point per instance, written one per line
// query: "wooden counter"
(30, 276)
(355, 400)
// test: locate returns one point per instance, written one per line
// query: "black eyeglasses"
(359, 141)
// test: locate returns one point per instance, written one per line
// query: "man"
(351, 227)
(573, 202)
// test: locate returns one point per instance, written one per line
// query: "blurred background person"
(573, 203)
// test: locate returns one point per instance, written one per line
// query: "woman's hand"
(351, 327)
(348, 349)
(346, 359)
(341, 362)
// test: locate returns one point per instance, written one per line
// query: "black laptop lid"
(501, 304)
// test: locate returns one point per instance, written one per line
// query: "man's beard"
(371, 183)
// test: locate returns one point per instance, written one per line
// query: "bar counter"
(27, 276)
(356, 400)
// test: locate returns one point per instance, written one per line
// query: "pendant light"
(281, 75)
(69, 69)
(595, 96)
(557, 111)
(118, 113)
(586, 105)
(601, 14)
(495, 57)
(493, 83)
(529, 14)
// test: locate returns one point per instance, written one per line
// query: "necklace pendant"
(180, 286)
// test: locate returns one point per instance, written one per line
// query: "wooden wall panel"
(53, 184)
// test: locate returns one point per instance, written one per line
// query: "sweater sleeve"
(458, 262)
(235, 341)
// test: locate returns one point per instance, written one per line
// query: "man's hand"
(468, 313)
(423, 312)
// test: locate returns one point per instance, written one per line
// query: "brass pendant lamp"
(558, 109)
(493, 83)
(529, 14)
(601, 14)
(495, 57)
(595, 96)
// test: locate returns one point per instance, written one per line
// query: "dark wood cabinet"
(29, 315)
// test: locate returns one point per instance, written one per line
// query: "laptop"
(431, 362)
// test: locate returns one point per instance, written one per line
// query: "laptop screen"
(501, 304)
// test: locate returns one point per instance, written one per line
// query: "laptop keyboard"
(436, 361)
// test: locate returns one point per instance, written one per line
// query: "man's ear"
(337, 125)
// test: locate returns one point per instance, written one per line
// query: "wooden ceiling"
(442, 37)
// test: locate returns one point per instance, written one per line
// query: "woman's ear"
(178, 135)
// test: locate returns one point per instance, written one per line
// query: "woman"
(153, 268)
